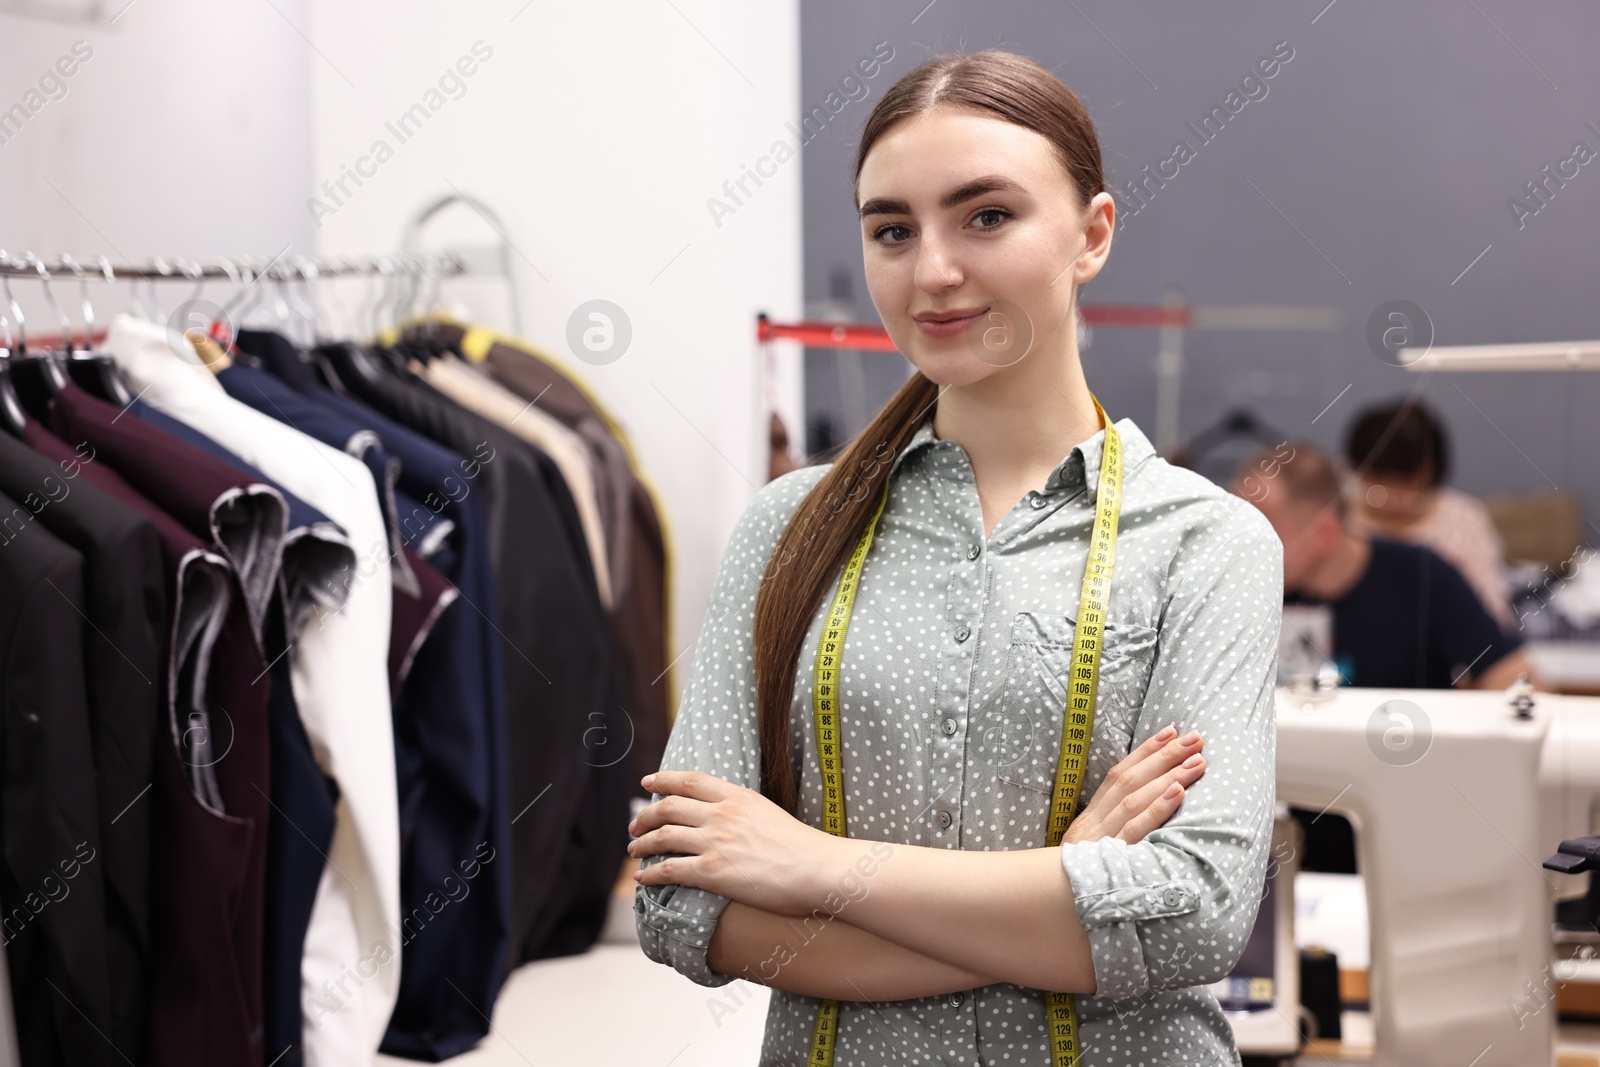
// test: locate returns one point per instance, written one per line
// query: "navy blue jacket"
(450, 733)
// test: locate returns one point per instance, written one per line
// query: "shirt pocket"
(1019, 734)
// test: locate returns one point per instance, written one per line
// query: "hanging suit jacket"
(243, 519)
(634, 521)
(470, 949)
(52, 887)
(561, 670)
(205, 925)
(193, 486)
(316, 555)
(341, 687)
(127, 611)
(476, 391)
(421, 594)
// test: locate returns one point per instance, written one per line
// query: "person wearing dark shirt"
(1403, 618)
(1436, 628)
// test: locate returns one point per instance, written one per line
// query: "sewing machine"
(1457, 797)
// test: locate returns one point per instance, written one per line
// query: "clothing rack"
(179, 269)
(336, 551)
(415, 269)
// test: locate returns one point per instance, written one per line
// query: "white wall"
(597, 132)
(185, 133)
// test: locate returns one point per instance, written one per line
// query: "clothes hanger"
(281, 312)
(51, 371)
(418, 339)
(352, 363)
(13, 417)
(221, 325)
(383, 317)
(161, 268)
(429, 332)
(319, 357)
(95, 373)
(397, 351)
(310, 276)
(198, 327)
(33, 388)
(251, 294)
(301, 303)
(312, 355)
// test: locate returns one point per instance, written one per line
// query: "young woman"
(947, 924)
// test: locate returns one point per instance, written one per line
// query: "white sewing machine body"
(1457, 800)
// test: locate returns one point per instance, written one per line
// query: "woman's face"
(973, 243)
(1397, 498)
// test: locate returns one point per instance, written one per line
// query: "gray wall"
(1393, 139)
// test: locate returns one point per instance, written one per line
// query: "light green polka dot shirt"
(953, 690)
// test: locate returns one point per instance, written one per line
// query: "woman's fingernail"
(638, 874)
(1166, 732)
(1192, 737)
(1172, 791)
(648, 780)
(1194, 761)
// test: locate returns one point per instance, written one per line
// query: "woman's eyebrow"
(883, 205)
(989, 183)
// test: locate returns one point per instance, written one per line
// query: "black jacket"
(52, 887)
(126, 611)
(569, 807)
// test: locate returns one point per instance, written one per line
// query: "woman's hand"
(1143, 791)
(738, 844)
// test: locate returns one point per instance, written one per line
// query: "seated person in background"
(1403, 618)
(1401, 458)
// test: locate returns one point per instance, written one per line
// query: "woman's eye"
(998, 215)
(902, 234)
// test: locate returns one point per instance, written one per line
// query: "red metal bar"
(52, 342)
(1136, 315)
(826, 334)
(874, 338)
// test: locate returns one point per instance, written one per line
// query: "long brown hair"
(819, 539)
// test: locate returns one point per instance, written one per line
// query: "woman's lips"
(948, 328)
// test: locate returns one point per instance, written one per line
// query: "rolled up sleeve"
(1176, 909)
(715, 729)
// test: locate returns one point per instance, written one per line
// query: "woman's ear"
(1099, 225)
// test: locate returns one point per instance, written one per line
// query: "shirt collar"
(1080, 468)
(159, 359)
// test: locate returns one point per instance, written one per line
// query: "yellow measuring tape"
(1076, 730)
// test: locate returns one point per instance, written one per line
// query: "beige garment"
(481, 394)
(210, 353)
(1458, 528)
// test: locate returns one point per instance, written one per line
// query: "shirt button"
(973, 551)
(1038, 501)
(956, 999)
(944, 820)
(1172, 897)
(963, 633)
(949, 727)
